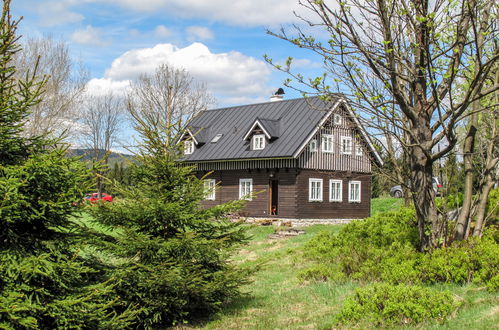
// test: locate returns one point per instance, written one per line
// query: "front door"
(273, 197)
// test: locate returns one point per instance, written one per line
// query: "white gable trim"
(188, 131)
(257, 122)
(356, 121)
(323, 120)
(364, 134)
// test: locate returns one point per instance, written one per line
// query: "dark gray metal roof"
(291, 120)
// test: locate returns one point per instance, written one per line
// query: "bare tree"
(165, 101)
(63, 91)
(402, 62)
(101, 118)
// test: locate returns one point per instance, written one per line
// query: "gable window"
(258, 142)
(188, 147)
(335, 190)
(313, 145)
(337, 119)
(209, 189)
(354, 191)
(315, 190)
(245, 189)
(346, 145)
(327, 143)
(358, 150)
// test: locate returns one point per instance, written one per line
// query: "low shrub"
(383, 248)
(383, 304)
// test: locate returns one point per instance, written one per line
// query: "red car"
(94, 198)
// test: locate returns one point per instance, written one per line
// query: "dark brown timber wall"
(228, 190)
(333, 210)
(293, 193)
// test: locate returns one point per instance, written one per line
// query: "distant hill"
(87, 154)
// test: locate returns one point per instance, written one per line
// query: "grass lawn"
(277, 299)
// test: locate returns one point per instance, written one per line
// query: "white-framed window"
(358, 150)
(337, 119)
(246, 189)
(354, 191)
(315, 190)
(327, 143)
(209, 189)
(313, 145)
(188, 147)
(335, 190)
(346, 145)
(258, 142)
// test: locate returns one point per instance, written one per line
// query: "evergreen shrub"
(383, 304)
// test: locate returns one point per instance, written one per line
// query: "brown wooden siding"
(333, 210)
(293, 193)
(336, 161)
(228, 190)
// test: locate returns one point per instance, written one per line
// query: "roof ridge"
(260, 103)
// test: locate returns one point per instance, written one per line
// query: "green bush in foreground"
(383, 304)
(384, 248)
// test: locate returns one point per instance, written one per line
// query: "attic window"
(358, 150)
(337, 119)
(258, 142)
(313, 145)
(216, 138)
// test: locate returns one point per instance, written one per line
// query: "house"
(300, 158)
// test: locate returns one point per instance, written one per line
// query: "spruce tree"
(45, 280)
(174, 253)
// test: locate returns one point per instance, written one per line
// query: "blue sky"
(220, 42)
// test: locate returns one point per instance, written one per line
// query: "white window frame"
(358, 150)
(354, 199)
(313, 145)
(325, 143)
(311, 197)
(244, 193)
(210, 189)
(337, 119)
(343, 150)
(188, 147)
(258, 142)
(338, 198)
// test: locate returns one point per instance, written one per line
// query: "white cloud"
(229, 76)
(198, 33)
(89, 36)
(162, 31)
(54, 13)
(240, 12)
(104, 86)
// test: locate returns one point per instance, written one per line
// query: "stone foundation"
(296, 222)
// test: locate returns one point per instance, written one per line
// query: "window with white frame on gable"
(354, 191)
(337, 119)
(315, 190)
(313, 145)
(327, 143)
(245, 189)
(335, 190)
(209, 189)
(346, 145)
(258, 142)
(358, 150)
(188, 147)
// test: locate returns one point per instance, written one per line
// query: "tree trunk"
(468, 150)
(482, 208)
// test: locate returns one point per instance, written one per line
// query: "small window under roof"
(216, 138)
